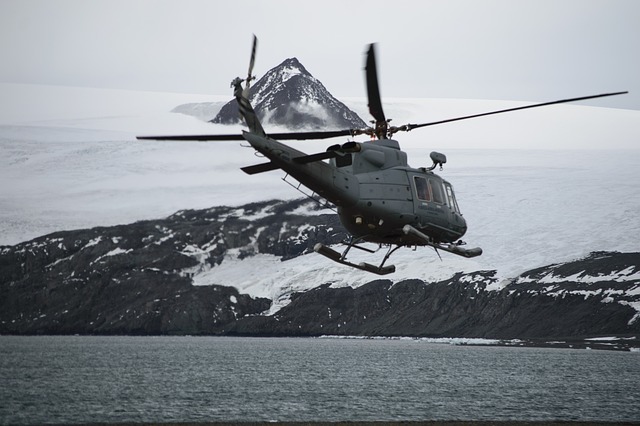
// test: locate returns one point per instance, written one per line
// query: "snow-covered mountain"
(288, 95)
(80, 167)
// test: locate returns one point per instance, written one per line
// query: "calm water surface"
(189, 379)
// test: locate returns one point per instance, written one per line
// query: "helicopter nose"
(462, 225)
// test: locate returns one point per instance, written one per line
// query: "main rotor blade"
(312, 135)
(315, 157)
(373, 91)
(416, 126)
(239, 137)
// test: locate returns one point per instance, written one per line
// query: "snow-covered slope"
(68, 159)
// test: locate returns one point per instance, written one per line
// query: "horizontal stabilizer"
(259, 168)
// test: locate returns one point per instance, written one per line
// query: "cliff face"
(459, 307)
(139, 279)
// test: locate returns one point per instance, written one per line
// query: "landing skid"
(454, 248)
(363, 266)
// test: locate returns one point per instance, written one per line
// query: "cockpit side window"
(436, 191)
(451, 197)
(422, 189)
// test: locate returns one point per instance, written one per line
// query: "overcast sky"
(536, 50)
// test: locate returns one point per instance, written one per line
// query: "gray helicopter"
(379, 198)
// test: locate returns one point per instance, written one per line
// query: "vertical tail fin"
(246, 110)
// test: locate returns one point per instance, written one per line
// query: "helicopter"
(378, 197)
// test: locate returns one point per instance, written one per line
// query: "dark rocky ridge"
(288, 95)
(136, 279)
(451, 308)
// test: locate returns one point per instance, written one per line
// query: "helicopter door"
(431, 206)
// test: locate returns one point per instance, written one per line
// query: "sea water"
(76, 379)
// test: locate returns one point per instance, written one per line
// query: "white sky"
(529, 50)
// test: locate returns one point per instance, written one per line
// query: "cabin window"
(451, 197)
(422, 189)
(344, 160)
(436, 191)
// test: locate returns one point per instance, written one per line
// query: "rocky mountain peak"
(294, 64)
(288, 95)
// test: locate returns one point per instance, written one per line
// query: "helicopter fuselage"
(376, 192)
